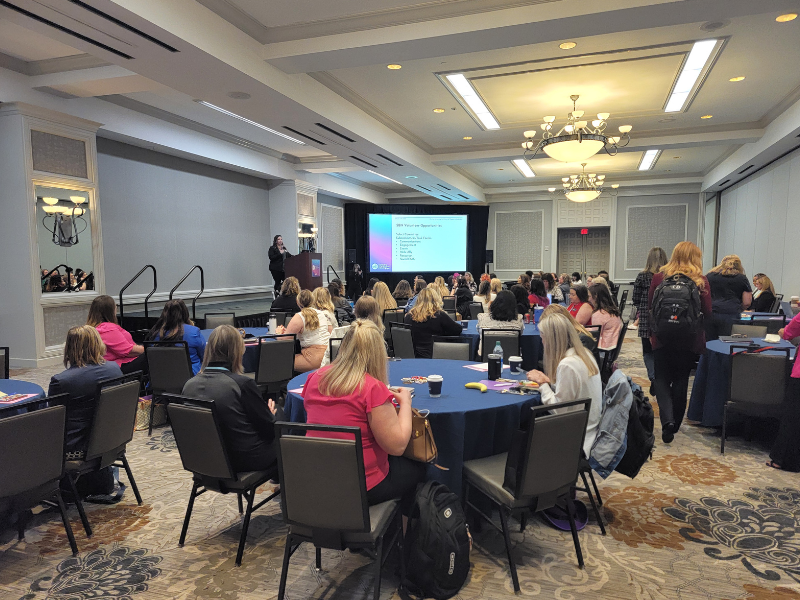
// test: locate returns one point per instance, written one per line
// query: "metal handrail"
(328, 273)
(202, 287)
(147, 298)
(67, 268)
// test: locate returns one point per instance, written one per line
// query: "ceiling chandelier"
(584, 187)
(66, 220)
(577, 140)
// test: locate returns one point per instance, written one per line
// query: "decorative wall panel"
(661, 225)
(332, 233)
(305, 205)
(518, 241)
(58, 154)
(58, 320)
(584, 214)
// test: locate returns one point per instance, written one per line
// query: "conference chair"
(112, 428)
(475, 308)
(756, 386)
(539, 471)
(609, 357)
(325, 498)
(510, 341)
(449, 303)
(393, 315)
(623, 302)
(451, 347)
(214, 320)
(32, 463)
(773, 323)
(275, 366)
(453, 314)
(777, 304)
(203, 453)
(402, 342)
(333, 347)
(170, 368)
(5, 363)
(753, 331)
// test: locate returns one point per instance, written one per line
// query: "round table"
(15, 386)
(250, 358)
(466, 423)
(531, 342)
(710, 388)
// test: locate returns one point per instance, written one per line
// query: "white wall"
(174, 213)
(548, 244)
(759, 220)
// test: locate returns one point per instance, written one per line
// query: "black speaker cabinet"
(490, 256)
(351, 256)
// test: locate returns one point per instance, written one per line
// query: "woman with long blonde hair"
(674, 359)
(352, 391)
(384, 297)
(428, 319)
(570, 371)
(313, 327)
(587, 338)
(766, 294)
(730, 295)
(440, 286)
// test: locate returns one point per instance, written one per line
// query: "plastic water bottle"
(498, 349)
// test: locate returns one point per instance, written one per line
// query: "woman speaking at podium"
(277, 254)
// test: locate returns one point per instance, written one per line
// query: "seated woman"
(383, 296)
(579, 306)
(174, 324)
(367, 309)
(764, 297)
(86, 367)
(440, 286)
(497, 286)
(502, 315)
(427, 319)
(323, 302)
(335, 290)
(370, 285)
(587, 338)
(484, 295)
(353, 391)
(313, 328)
(463, 297)
(521, 295)
(606, 314)
(550, 287)
(538, 294)
(119, 343)
(288, 298)
(246, 420)
(570, 372)
(402, 292)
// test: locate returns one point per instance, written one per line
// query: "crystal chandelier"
(577, 140)
(584, 187)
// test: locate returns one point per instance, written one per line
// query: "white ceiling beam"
(328, 166)
(693, 180)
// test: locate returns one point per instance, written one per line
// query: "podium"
(307, 267)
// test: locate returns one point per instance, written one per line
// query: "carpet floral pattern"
(693, 525)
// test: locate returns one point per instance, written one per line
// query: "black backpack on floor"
(436, 544)
(676, 314)
(641, 440)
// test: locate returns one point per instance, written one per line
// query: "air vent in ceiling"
(361, 160)
(445, 197)
(66, 30)
(747, 168)
(394, 162)
(422, 187)
(334, 132)
(124, 25)
(464, 197)
(301, 134)
(726, 181)
(444, 187)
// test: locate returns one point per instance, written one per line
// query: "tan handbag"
(421, 447)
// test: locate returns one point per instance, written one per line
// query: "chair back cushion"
(31, 450)
(199, 440)
(275, 360)
(402, 342)
(475, 308)
(114, 418)
(335, 344)
(449, 303)
(753, 331)
(451, 350)
(214, 320)
(170, 367)
(509, 340)
(758, 378)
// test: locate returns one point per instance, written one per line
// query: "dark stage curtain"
(355, 235)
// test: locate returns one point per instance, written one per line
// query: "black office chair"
(325, 498)
(756, 386)
(275, 366)
(475, 308)
(451, 348)
(535, 475)
(32, 463)
(333, 347)
(214, 320)
(112, 429)
(5, 363)
(510, 341)
(402, 341)
(196, 427)
(170, 369)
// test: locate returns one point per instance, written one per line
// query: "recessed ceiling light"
(394, 67)
(740, 78)
(524, 167)
(411, 177)
(649, 159)
(239, 95)
(438, 110)
(706, 116)
(676, 157)
(500, 169)
(473, 100)
(248, 121)
(467, 137)
(786, 18)
(693, 66)
(567, 45)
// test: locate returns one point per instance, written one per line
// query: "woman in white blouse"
(570, 372)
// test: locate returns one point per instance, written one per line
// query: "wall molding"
(189, 294)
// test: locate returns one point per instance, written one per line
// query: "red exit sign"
(584, 232)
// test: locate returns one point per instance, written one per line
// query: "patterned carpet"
(692, 525)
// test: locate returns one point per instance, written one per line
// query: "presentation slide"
(417, 243)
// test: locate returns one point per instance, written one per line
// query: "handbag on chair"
(421, 447)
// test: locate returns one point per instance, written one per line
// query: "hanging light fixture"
(578, 139)
(584, 187)
(66, 220)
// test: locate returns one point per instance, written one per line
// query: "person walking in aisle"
(656, 259)
(277, 254)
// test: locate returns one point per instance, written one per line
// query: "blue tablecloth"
(466, 424)
(531, 342)
(15, 386)
(710, 389)
(250, 358)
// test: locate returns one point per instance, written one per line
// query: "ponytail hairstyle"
(305, 300)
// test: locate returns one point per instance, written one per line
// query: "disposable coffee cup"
(434, 386)
(515, 364)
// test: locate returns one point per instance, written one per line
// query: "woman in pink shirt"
(785, 453)
(606, 314)
(352, 391)
(119, 343)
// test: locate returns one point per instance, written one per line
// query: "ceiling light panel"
(700, 57)
(471, 98)
(523, 167)
(649, 159)
(249, 122)
(384, 176)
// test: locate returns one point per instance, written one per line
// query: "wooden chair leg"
(511, 565)
(287, 554)
(67, 527)
(245, 525)
(188, 514)
(79, 505)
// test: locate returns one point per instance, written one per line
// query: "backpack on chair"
(676, 314)
(436, 545)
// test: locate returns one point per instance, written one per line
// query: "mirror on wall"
(64, 234)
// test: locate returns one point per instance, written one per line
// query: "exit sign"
(584, 232)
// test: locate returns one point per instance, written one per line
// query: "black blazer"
(764, 302)
(422, 333)
(276, 258)
(246, 421)
(288, 301)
